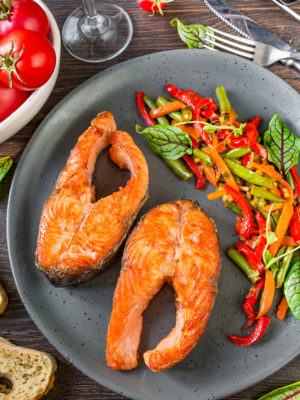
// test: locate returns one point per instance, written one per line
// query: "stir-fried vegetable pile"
(194, 136)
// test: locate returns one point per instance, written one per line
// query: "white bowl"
(18, 119)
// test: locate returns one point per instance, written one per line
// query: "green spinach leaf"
(291, 392)
(168, 141)
(5, 165)
(283, 145)
(192, 35)
(292, 286)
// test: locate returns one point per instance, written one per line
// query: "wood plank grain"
(150, 34)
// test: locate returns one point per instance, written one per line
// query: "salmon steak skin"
(77, 234)
(176, 243)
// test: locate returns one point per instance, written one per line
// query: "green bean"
(265, 194)
(265, 215)
(290, 180)
(204, 157)
(231, 205)
(177, 166)
(224, 104)
(161, 101)
(243, 264)
(275, 267)
(248, 175)
(187, 114)
(179, 169)
(280, 278)
(150, 103)
(276, 216)
(237, 153)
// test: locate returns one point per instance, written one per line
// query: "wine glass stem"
(89, 8)
(95, 24)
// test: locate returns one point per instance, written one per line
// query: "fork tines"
(216, 36)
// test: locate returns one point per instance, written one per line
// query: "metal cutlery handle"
(296, 56)
(288, 10)
(291, 63)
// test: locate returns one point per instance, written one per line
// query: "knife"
(249, 28)
(282, 5)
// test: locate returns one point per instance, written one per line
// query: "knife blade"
(245, 26)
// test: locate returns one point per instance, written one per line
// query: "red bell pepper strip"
(251, 257)
(197, 117)
(193, 94)
(251, 299)
(251, 131)
(224, 133)
(255, 121)
(263, 241)
(210, 111)
(246, 159)
(244, 227)
(142, 109)
(182, 96)
(241, 141)
(259, 330)
(196, 170)
(259, 149)
(210, 114)
(195, 143)
(296, 180)
(249, 139)
(294, 226)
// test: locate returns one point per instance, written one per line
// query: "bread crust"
(30, 371)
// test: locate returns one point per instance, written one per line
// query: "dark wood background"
(151, 34)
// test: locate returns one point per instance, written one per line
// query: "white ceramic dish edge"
(35, 102)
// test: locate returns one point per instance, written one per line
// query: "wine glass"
(97, 31)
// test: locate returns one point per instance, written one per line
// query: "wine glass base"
(98, 39)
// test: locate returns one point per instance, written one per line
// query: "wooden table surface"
(151, 34)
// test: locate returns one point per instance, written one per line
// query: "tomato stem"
(5, 9)
(157, 3)
(9, 64)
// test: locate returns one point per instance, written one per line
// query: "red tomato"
(31, 62)
(10, 100)
(153, 5)
(23, 14)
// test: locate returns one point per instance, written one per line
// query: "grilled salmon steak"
(78, 235)
(174, 242)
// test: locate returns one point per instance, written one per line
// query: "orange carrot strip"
(166, 109)
(282, 308)
(288, 241)
(288, 192)
(190, 130)
(218, 175)
(268, 170)
(267, 295)
(278, 206)
(223, 168)
(282, 226)
(276, 191)
(231, 118)
(215, 140)
(216, 194)
(209, 173)
(221, 147)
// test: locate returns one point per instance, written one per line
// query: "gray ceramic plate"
(75, 319)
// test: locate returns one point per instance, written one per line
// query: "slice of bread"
(31, 372)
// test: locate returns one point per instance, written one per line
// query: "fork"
(261, 53)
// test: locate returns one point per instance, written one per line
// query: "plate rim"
(117, 388)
